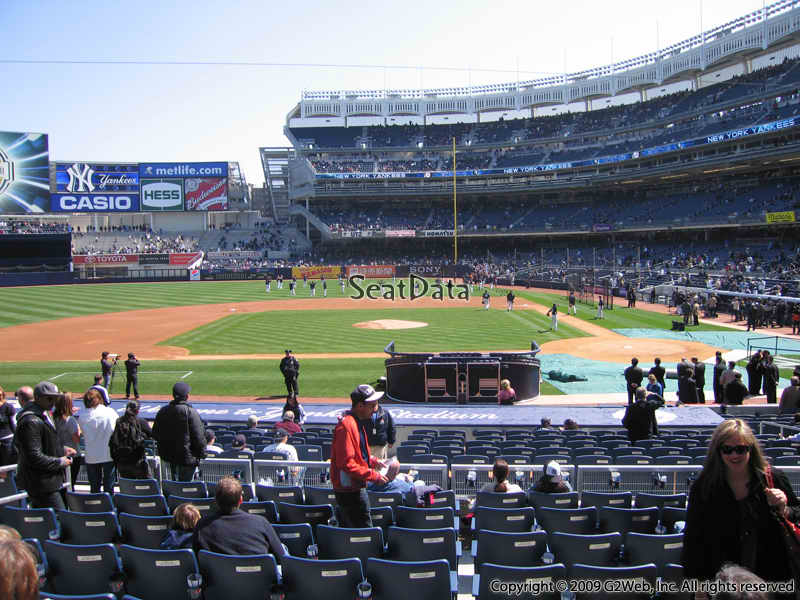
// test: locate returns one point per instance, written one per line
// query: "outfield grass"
(619, 318)
(332, 331)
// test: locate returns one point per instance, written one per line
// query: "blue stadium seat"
(206, 506)
(305, 578)
(489, 572)
(144, 531)
(340, 542)
(248, 577)
(567, 520)
(77, 569)
(138, 487)
(522, 549)
(641, 548)
(503, 519)
(297, 537)
(395, 580)
(88, 528)
(157, 574)
(425, 518)
(90, 503)
(601, 549)
(268, 510)
(291, 494)
(621, 575)
(184, 489)
(598, 499)
(501, 500)
(37, 523)
(143, 506)
(561, 500)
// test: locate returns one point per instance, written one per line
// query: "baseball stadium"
(554, 236)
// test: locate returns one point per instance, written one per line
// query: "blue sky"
(144, 113)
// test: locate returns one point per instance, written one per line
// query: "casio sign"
(78, 203)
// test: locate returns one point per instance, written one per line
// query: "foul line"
(189, 373)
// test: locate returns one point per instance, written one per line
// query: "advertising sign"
(206, 193)
(316, 272)
(437, 233)
(162, 194)
(394, 233)
(154, 259)
(183, 170)
(91, 178)
(94, 202)
(183, 258)
(786, 216)
(24, 173)
(104, 259)
(371, 271)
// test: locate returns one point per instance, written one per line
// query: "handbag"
(790, 533)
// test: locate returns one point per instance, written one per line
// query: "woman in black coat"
(732, 516)
(687, 387)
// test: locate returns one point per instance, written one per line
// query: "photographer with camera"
(107, 364)
(132, 376)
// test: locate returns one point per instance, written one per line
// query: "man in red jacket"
(351, 464)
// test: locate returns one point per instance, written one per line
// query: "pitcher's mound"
(390, 324)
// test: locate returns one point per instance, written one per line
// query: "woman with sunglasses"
(732, 516)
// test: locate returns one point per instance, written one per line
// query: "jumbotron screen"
(24, 174)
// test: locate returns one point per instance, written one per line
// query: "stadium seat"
(522, 549)
(138, 487)
(252, 576)
(88, 528)
(501, 500)
(394, 580)
(143, 506)
(8, 487)
(37, 523)
(319, 495)
(313, 514)
(489, 572)
(339, 542)
(562, 500)
(470, 459)
(84, 569)
(622, 575)
(673, 459)
(567, 520)
(543, 459)
(90, 503)
(623, 520)
(666, 451)
(786, 461)
(425, 459)
(423, 544)
(593, 459)
(671, 515)
(305, 578)
(616, 499)
(633, 459)
(297, 537)
(206, 506)
(142, 531)
(267, 509)
(291, 494)
(425, 518)
(157, 574)
(309, 452)
(184, 489)
(503, 519)
(444, 498)
(645, 500)
(587, 450)
(390, 499)
(600, 549)
(641, 548)
(382, 516)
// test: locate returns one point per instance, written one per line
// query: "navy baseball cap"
(365, 393)
(181, 390)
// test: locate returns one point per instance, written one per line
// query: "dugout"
(460, 377)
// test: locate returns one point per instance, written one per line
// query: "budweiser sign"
(209, 193)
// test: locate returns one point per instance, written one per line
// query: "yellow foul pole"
(455, 210)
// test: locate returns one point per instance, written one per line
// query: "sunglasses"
(741, 449)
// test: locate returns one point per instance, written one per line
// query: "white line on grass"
(59, 375)
(189, 373)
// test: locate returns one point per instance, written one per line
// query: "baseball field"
(226, 338)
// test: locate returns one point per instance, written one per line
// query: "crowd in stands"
(132, 244)
(23, 226)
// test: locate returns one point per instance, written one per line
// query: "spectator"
(640, 418)
(98, 426)
(381, 432)
(69, 432)
(8, 425)
(293, 405)
(655, 393)
(233, 531)
(19, 579)
(545, 424)
(500, 484)
(506, 395)
(8, 534)
(180, 434)
(281, 445)
(736, 391)
(239, 444)
(552, 480)
(732, 512)
(728, 375)
(212, 448)
(252, 425)
(351, 464)
(127, 444)
(288, 423)
(790, 398)
(97, 385)
(736, 577)
(570, 425)
(184, 520)
(42, 459)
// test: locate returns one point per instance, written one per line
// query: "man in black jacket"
(132, 376)
(640, 418)
(291, 370)
(42, 459)
(754, 373)
(771, 378)
(180, 434)
(719, 369)
(736, 390)
(380, 432)
(700, 379)
(659, 373)
(633, 378)
(233, 531)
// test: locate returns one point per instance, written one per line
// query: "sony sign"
(94, 203)
(162, 194)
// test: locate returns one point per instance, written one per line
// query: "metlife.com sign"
(214, 169)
